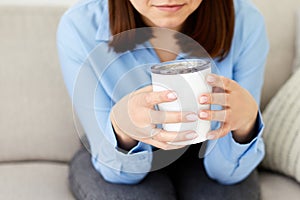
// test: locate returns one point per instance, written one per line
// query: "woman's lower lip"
(169, 8)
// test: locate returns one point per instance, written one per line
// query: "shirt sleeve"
(93, 107)
(227, 161)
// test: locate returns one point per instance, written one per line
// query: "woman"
(231, 31)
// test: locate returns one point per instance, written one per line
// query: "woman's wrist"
(246, 133)
(124, 141)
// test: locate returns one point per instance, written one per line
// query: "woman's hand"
(134, 119)
(239, 109)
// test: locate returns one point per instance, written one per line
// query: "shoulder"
(78, 26)
(249, 25)
(85, 16)
(247, 16)
(246, 7)
(85, 8)
(250, 37)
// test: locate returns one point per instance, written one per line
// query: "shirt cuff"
(233, 150)
(140, 147)
(137, 160)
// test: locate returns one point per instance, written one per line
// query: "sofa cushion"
(278, 187)
(282, 131)
(34, 181)
(36, 114)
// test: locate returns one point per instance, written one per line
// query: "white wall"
(38, 2)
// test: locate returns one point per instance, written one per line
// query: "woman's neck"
(165, 44)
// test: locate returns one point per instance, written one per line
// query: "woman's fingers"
(150, 99)
(172, 136)
(160, 138)
(215, 98)
(215, 115)
(221, 82)
(164, 117)
(146, 97)
(162, 145)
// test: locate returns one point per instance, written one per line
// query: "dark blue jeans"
(184, 179)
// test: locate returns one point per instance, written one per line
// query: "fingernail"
(210, 137)
(191, 117)
(203, 115)
(171, 95)
(210, 79)
(203, 99)
(191, 135)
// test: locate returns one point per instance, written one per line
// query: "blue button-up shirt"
(97, 77)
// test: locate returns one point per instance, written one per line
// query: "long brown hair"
(211, 24)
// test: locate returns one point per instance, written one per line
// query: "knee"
(119, 177)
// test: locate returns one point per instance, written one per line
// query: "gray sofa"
(37, 134)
